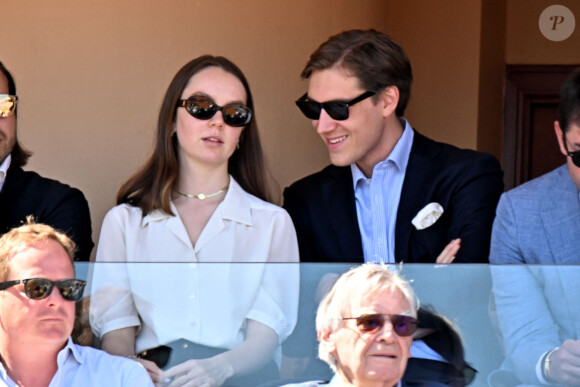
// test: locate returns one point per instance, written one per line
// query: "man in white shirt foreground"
(365, 326)
(37, 312)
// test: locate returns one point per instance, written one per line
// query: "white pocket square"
(427, 216)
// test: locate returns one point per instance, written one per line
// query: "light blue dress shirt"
(377, 200)
(86, 366)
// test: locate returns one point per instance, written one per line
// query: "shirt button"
(192, 265)
(192, 297)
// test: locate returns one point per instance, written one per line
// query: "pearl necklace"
(202, 196)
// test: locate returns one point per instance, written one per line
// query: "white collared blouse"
(243, 266)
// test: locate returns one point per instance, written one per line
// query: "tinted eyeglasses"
(370, 323)
(338, 110)
(40, 288)
(204, 108)
(7, 105)
(574, 155)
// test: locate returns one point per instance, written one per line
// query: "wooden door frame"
(525, 85)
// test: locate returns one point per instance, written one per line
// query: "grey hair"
(365, 279)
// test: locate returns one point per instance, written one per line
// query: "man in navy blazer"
(539, 223)
(24, 193)
(392, 194)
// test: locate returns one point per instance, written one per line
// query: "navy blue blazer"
(466, 183)
(51, 202)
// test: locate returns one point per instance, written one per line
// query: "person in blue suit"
(539, 223)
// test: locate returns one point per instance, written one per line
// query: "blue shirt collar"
(398, 156)
(69, 350)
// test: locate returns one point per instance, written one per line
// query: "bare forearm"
(120, 342)
(255, 352)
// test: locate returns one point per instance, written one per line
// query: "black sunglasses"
(204, 108)
(40, 288)
(370, 323)
(7, 105)
(338, 110)
(575, 155)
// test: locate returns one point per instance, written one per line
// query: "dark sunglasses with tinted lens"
(338, 110)
(204, 108)
(574, 155)
(7, 105)
(370, 323)
(40, 288)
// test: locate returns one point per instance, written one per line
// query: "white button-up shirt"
(243, 266)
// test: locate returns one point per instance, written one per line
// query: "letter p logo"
(557, 23)
(557, 20)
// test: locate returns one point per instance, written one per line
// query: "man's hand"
(565, 363)
(154, 372)
(449, 252)
(211, 372)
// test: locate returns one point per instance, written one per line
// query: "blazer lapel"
(420, 170)
(340, 207)
(11, 191)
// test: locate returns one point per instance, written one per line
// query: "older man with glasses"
(38, 291)
(365, 326)
(24, 193)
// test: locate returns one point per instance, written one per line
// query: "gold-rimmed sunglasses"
(7, 105)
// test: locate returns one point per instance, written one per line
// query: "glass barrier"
(206, 304)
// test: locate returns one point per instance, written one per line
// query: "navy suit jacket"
(50, 202)
(466, 183)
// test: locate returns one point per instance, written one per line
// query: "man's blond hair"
(27, 235)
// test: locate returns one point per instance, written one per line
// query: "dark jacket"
(50, 202)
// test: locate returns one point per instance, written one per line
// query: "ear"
(389, 98)
(326, 338)
(560, 137)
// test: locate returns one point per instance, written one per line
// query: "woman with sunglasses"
(201, 197)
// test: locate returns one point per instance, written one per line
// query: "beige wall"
(526, 45)
(91, 74)
(441, 39)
